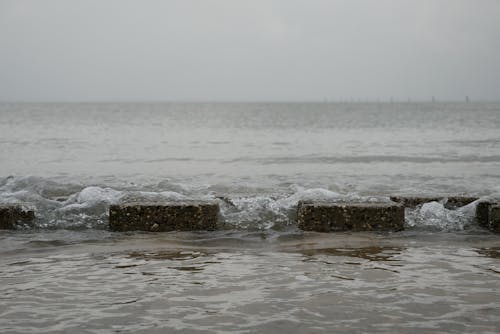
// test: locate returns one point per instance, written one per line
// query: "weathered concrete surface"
(452, 202)
(12, 215)
(482, 213)
(327, 217)
(164, 216)
(495, 218)
(488, 215)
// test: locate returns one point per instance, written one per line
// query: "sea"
(259, 273)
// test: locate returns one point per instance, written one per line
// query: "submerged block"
(326, 216)
(452, 202)
(12, 215)
(164, 216)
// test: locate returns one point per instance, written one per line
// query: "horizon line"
(187, 101)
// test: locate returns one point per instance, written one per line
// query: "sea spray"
(73, 206)
(435, 216)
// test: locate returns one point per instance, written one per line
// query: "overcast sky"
(235, 50)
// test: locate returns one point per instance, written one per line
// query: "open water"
(260, 274)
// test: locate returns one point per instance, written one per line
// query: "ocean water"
(69, 273)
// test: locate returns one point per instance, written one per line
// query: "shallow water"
(69, 162)
(250, 282)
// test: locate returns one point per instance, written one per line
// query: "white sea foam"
(91, 195)
(435, 216)
(58, 205)
(279, 210)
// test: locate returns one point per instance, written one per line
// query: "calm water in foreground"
(259, 274)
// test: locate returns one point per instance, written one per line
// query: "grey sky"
(61, 50)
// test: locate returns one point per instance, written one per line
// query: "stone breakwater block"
(482, 213)
(12, 215)
(164, 216)
(452, 202)
(488, 215)
(495, 218)
(459, 201)
(327, 216)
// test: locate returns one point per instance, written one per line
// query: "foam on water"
(435, 216)
(71, 206)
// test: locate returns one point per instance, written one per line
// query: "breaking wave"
(435, 216)
(75, 206)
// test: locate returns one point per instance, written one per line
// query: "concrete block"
(483, 213)
(327, 216)
(12, 215)
(494, 216)
(488, 215)
(164, 216)
(452, 202)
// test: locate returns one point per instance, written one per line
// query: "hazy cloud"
(249, 50)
